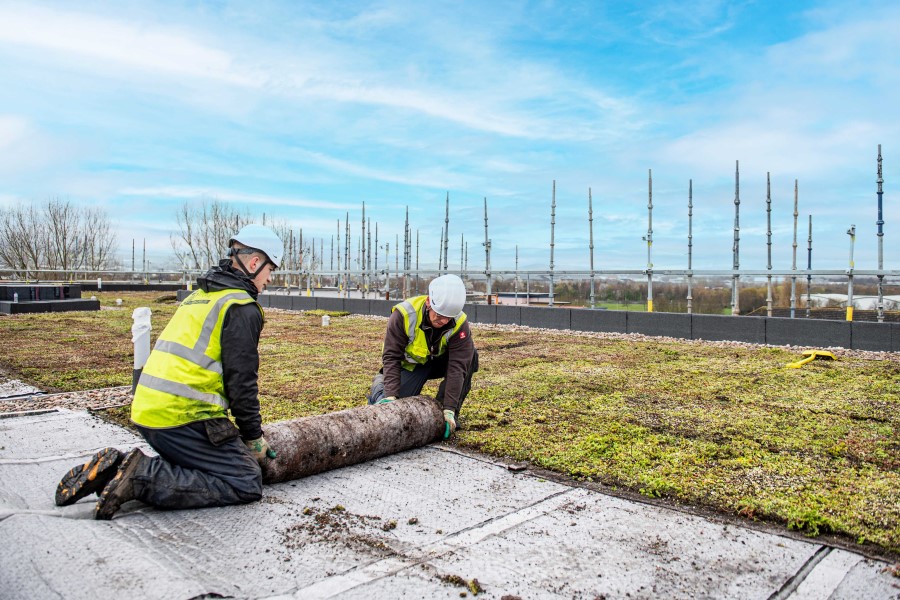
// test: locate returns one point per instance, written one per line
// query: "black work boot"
(91, 477)
(121, 488)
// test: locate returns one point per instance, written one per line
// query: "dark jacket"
(240, 354)
(460, 352)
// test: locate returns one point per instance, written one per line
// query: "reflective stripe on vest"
(182, 380)
(417, 351)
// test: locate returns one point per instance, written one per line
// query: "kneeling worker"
(428, 337)
(204, 364)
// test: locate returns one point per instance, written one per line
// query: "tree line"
(55, 235)
(205, 228)
(58, 235)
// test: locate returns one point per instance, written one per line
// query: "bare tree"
(99, 240)
(204, 231)
(62, 222)
(58, 235)
(21, 238)
(296, 251)
(184, 245)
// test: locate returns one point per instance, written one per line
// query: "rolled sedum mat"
(316, 444)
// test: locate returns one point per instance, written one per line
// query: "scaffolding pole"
(362, 264)
(591, 241)
(794, 261)
(487, 255)
(690, 276)
(809, 269)
(649, 240)
(852, 233)
(446, 231)
(769, 243)
(552, 231)
(880, 223)
(736, 265)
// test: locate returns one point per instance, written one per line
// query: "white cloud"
(849, 49)
(784, 146)
(433, 178)
(9, 200)
(26, 149)
(683, 23)
(811, 107)
(498, 96)
(115, 41)
(194, 193)
(452, 109)
(13, 131)
(396, 103)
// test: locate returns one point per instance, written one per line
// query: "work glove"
(386, 400)
(260, 449)
(449, 423)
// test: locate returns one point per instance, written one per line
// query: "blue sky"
(303, 110)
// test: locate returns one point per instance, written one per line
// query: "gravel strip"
(14, 387)
(89, 400)
(637, 337)
(838, 351)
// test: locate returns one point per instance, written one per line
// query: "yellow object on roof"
(812, 355)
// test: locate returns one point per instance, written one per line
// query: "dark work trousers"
(412, 382)
(192, 472)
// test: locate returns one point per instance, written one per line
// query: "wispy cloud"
(131, 45)
(13, 131)
(780, 147)
(191, 193)
(800, 107)
(26, 149)
(433, 177)
(306, 109)
(103, 43)
(686, 23)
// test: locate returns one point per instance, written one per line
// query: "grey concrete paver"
(14, 387)
(826, 576)
(418, 524)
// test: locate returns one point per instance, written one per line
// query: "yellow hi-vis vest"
(182, 380)
(416, 350)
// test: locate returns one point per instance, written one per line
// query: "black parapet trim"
(871, 336)
(728, 328)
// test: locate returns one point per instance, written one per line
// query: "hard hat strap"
(235, 252)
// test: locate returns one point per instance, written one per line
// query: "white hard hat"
(448, 295)
(260, 237)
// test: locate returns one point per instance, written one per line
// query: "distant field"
(717, 425)
(634, 307)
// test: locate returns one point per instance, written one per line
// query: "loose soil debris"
(339, 526)
(471, 585)
(89, 400)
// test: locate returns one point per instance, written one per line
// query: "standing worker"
(204, 364)
(428, 337)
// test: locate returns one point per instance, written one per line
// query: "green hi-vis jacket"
(182, 380)
(413, 310)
